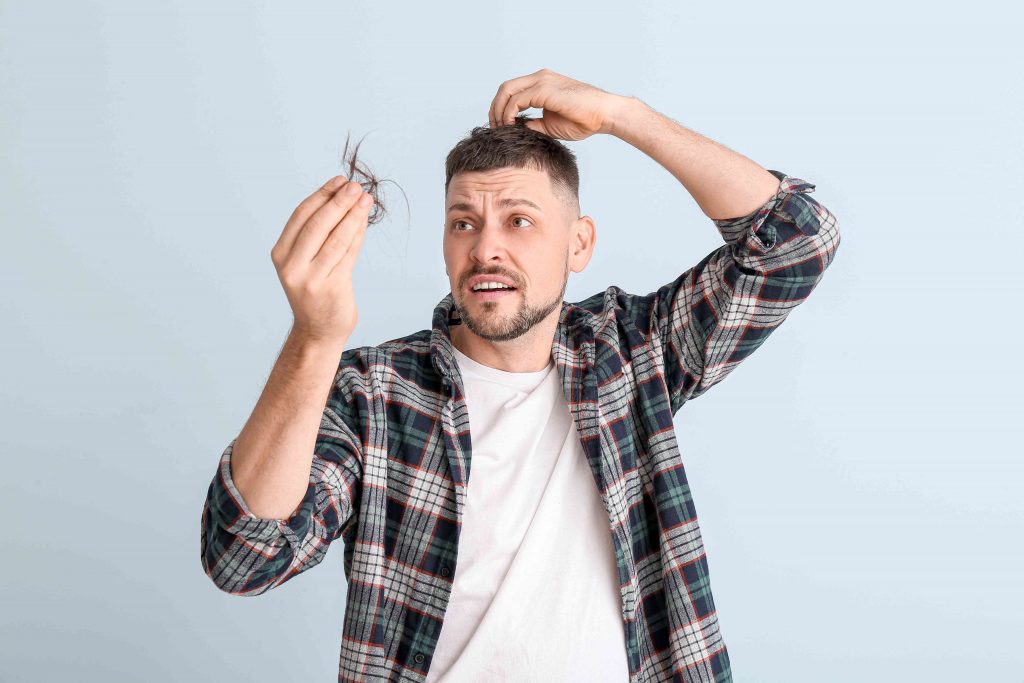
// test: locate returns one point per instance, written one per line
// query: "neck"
(529, 353)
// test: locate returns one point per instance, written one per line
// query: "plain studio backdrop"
(858, 478)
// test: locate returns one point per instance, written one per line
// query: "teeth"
(490, 285)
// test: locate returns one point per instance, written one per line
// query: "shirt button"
(418, 657)
(445, 571)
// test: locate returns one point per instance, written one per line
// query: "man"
(576, 554)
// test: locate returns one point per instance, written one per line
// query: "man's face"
(490, 229)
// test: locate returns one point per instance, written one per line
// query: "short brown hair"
(518, 146)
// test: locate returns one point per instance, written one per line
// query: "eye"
(457, 223)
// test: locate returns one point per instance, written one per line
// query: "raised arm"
(288, 485)
(778, 239)
(778, 243)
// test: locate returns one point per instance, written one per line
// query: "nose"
(488, 245)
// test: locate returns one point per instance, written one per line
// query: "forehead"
(477, 187)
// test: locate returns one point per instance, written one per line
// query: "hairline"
(562, 193)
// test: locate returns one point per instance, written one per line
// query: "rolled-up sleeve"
(247, 555)
(715, 314)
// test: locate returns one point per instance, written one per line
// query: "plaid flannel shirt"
(393, 456)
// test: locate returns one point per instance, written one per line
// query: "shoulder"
(378, 366)
(613, 307)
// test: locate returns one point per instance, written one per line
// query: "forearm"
(724, 184)
(273, 455)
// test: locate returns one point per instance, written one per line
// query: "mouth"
(492, 294)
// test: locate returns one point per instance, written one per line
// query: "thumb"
(537, 125)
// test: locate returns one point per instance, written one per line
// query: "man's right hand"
(314, 258)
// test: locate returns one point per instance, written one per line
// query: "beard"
(499, 327)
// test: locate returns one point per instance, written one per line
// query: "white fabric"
(536, 589)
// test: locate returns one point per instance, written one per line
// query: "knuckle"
(288, 279)
(333, 236)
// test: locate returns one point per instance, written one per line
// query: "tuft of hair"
(369, 182)
(517, 145)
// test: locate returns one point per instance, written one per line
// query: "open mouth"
(492, 294)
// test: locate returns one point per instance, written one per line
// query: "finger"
(538, 125)
(347, 262)
(337, 242)
(524, 99)
(500, 105)
(319, 225)
(505, 91)
(304, 210)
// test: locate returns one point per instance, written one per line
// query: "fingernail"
(365, 200)
(352, 188)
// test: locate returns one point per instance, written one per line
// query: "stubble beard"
(496, 327)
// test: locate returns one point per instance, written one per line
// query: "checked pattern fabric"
(394, 455)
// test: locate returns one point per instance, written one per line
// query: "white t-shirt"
(536, 589)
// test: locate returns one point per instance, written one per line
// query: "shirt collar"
(573, 340)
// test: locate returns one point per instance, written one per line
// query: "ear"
(581, 243)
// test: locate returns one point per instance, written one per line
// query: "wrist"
(307, 344)
(621, 111)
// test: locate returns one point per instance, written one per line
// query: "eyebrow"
(501, 203)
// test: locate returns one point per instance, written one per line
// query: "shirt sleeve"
(714, 315)
(247, 555)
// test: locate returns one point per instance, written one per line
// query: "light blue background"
(858, 479)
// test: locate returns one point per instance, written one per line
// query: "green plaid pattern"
(393, 455)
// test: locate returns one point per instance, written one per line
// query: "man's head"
(512, 211)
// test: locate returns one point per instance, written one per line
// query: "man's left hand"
(573, 110)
